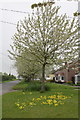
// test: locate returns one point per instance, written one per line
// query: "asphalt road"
(7, 87)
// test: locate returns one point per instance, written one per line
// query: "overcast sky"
(7, 30)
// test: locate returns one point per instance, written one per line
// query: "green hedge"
(36, 86)
(6, 77)
(31, 86)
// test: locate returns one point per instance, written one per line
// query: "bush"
(50, 80)
(20, 86)
(36, 86)
(70, 82)
(6, 77)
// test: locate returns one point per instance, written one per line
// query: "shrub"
(70, 83)
(6, 77)
(36, 86)
(21, 85)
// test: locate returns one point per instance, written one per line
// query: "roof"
(73, 64)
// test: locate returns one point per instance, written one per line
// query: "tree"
(26, 67)
(47, 36)
(76, 13)
(6, 77)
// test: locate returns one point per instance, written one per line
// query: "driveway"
(7, 87)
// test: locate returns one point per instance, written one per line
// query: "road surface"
(7, 86)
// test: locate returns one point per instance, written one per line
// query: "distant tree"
(76, 13)
(48, 37)
(1, 73)
(42, 4)
(6, 77)
(26, 67)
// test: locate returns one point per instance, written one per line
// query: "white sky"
(8, 30)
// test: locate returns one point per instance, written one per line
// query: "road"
(7, 86)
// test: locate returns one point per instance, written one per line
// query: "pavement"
(7, 86)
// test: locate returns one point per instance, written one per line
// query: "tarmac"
(7, 86)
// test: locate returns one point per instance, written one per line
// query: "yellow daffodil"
(44, 97)
(50, 103)
(49, 100)
(54, 101)
(21, 107)
(41, 96)
(55, 104)
(43, 103)
(33, 99)
(31, 103)
(18, 104)
(38, 99)
(52, 96)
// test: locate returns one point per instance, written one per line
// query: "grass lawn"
(60, 102)
(0, 106)
(7, 80)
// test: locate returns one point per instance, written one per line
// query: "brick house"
(68, 72)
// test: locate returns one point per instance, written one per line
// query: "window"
(62, 77)
(78, 78)
(56, 77)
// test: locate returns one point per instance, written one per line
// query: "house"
(64, 75)
(70, 72)
(50, 77)
(77, 78)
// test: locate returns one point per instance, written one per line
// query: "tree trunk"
(43, 79)
(33, 75)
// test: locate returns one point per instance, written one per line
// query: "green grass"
(31, 86)
(36, 85)
(67, 110)
(20, 86)
(8, 80)
(72, 84)
(0, 106)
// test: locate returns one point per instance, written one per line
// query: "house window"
(56, 77)
(62, 77)
(78, 78)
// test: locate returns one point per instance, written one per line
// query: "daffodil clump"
(54, 100)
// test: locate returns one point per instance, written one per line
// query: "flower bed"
(50, 100)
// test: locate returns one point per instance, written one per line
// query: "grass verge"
(34, 104)
(8, 80)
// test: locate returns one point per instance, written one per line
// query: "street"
(7, 86)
